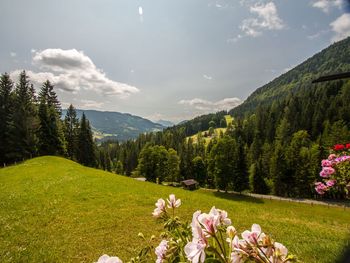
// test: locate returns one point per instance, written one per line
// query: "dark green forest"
(274, 145)
(31, 125)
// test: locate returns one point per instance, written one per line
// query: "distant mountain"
(118, 126)
(165, 123)
(333, 59)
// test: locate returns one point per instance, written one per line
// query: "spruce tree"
(86, 154)
(6, 108)
(24, 124)
(71, 126)
(51, 139)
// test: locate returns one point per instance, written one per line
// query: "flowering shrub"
(335, 172)
(209, 238)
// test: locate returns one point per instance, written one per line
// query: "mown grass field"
(54, 210)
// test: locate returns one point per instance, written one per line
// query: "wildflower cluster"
(209, 238)
(335, 171)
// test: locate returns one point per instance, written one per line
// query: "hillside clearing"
(54, 210)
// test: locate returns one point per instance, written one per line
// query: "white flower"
(172, 202)
(279, 254)
(160, 208)
(161, 251)
(107, 259)
(252, 236)
(195, 251)
(210, 221)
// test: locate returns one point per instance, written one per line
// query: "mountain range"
(117, 126)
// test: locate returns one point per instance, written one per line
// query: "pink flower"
(320, 188)
(210, 221)
(161, 251)
(195, 250)
(238, 254)
(222, 216)
(160, 208)
(327, 171)
(172, 202)
(252, 236)
(331, 156)
(107, 259)
(280, 253)
(331, 183)
(326, 163)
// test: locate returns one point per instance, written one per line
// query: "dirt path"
(346, 205)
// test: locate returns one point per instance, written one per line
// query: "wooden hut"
(190, 184)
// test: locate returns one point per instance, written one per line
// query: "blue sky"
(163, 59)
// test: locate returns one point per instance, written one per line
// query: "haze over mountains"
(117, 126)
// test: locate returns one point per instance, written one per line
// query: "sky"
(163, 59)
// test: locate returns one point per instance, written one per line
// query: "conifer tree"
(24, 124)
(6, 109)
(51, 139)
(71, 127)
(86, 154)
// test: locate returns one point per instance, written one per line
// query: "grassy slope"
(54, 210)
(229, 120)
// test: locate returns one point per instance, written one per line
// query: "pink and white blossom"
(107, 259)
(172, 202)
(209, 222)
(252, 236)
(195, 251)
(280, 253)
(161, 251)
(160, 208)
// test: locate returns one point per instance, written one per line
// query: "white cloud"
(71, 70)
(209, 106)
(327, 5)
(207, 77)
(140, 11)
(13, 54)
(88, 104)
(267, 19)
(341, 27)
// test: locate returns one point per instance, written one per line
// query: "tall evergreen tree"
(51, 139)
(24, 124)
(87, 153)
(6, 109)
(71, 126)
(240, 180)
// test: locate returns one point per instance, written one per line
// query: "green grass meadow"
(54, 210)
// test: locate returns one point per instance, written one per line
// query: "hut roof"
(189, 182)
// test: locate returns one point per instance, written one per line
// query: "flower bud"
(231, 232)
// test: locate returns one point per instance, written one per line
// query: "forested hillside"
(334, 59)
(274, 145)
